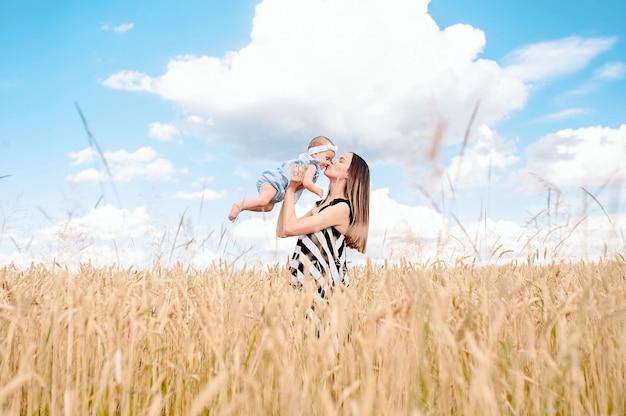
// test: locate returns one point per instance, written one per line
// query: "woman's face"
(338, 168)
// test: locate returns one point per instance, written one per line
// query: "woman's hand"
(297, 175)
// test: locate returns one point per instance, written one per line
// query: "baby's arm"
(307, 181)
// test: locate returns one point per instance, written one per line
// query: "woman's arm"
(337, 216)
(279, 224)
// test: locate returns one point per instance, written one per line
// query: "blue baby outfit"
(279, 177)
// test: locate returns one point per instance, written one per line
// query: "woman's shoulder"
(347, 202)
(335, 202)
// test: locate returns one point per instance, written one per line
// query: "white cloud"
(395, 229)
(155, 170)
(129, 81)
(204, 258)
(205, 194)
(568, 238)
(202, 181)
(88, 175)
(124, 166)
(611, 71)
(584, 157)
(143, 154)
(551, 59)
(421, 234)
(108, 235)
(584, 89)
(482, 160)
(123, 28)
(398, 230)
(376, 78)
(379, 80)
(259, 229)
(608, 72)
(195, 125)
(563, 114)
(132, 238)
(86, 155)
(104, 236)
(163, 132)
(196, 119)
(107, 223)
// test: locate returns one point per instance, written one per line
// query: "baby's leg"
(262, 203)
(266, 194)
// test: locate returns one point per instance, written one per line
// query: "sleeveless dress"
(321, 255)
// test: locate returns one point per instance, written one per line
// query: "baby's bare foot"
(234, 212)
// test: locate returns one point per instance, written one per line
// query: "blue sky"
(492, 131)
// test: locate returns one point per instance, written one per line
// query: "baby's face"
(324, 157)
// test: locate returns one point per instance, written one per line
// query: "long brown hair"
(358, 193)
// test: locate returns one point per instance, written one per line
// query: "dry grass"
(403, 339)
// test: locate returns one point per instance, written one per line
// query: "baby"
(273, 182)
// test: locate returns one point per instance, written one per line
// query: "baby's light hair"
(320, 141)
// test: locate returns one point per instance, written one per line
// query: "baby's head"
(323, 150)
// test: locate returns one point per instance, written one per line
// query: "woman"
(339, 220)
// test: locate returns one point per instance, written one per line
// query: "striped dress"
(322, 255)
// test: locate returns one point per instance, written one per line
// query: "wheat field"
(403, 339)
